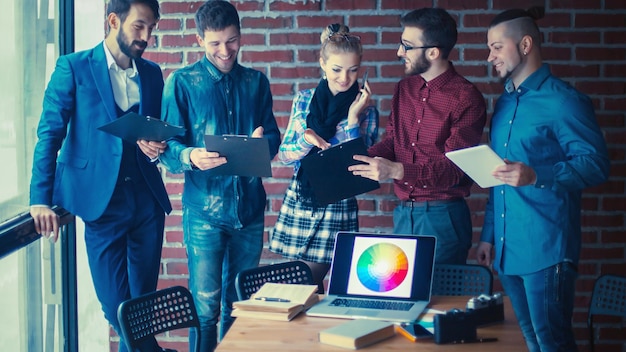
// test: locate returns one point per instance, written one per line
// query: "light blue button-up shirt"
(551, 127)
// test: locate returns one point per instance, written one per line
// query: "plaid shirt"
(427, 120)
(294, 147)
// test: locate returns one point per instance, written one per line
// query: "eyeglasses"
(408, 47)
(338, 37)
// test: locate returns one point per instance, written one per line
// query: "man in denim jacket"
(223, 216)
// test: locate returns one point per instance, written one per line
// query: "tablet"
(478, 162)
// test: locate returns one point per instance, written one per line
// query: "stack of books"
(358, 333)
(275, 301)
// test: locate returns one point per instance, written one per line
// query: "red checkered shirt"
(428, 119)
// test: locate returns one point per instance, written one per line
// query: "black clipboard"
(133, 127)
(327, 172)
(245, 156)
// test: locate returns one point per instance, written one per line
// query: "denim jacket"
(205, 101)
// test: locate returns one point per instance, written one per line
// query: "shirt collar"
(441, 80)
(217, 74)
(111, 64)
(532, 82)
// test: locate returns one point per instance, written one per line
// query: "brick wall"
(585, 41)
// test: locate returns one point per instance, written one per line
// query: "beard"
(128, 48)
(420, 66)
(506, 75)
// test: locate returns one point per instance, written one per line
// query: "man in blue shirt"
(223, 216)
(547, 133)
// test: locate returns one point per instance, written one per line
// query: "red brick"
(164, 58)
(294, 6)
(173, 220)
(615, 70)
(600, 54)
(376, 222)
(575, 38)
(374, 21)
(188, 7)
(266, 22)
(472, 38)
(317, 22)
(350, 5)
(599, 20)
(243, 6)
(267, 56)
(252, 39)
(294, 38)
(177, 268)
(169, 24)
(575, 4)
(452, 5)
(406, 5)
(601, 87)
(179, 41)
(575, 70)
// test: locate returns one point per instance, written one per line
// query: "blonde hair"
(336, 39)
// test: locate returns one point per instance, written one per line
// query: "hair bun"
(536, 12)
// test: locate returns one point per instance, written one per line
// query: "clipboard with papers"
(327, 172)
(478, 162)
(245, 156)
(132, 127)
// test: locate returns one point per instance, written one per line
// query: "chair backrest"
(608, 298)
(462, 280)
(157, 312)
(249, 281)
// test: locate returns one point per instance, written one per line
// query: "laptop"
(378, 276)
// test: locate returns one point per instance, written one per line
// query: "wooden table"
(300, 334)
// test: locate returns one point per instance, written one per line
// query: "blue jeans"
(450, 222)
(215, 255)
(543, 303)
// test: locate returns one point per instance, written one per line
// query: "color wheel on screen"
(382, 267)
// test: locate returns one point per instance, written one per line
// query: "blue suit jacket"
(79, 99)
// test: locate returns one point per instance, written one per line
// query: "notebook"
(478, 162)
(378, 276)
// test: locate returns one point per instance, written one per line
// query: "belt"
(428, 203)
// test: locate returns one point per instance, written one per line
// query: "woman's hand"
(361, 101)
(313, 138)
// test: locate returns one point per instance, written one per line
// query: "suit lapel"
(102, 80)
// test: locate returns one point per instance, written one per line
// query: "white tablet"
(478, 162)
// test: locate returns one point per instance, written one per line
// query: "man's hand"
(515, 174)
(204, 160)
(258, 132)
(151, 149)
(483, 253)
(377, 169)
(313, 138)
(46, 222)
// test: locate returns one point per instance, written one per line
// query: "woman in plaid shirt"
(337, 110)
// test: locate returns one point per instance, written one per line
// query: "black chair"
(157, 312)
(249, 281)
(608, 298)
(462, 280)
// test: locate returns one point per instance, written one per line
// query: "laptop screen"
(380, 265)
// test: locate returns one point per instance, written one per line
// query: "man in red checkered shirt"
(434, 110)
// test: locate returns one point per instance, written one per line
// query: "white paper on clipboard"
(478, 162)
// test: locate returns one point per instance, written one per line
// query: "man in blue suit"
(113, 185)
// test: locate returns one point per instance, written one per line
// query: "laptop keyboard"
(373, 304)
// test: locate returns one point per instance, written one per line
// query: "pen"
(271, 299)
(484, 339)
